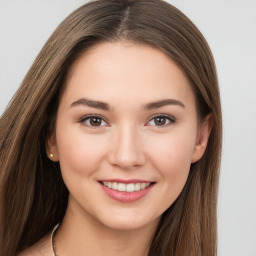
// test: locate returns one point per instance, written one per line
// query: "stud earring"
(51, 155)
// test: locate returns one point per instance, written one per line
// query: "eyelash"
(169, 118)
(88, 117)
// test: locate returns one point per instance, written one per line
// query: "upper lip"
(126, 181)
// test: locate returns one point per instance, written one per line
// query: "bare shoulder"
(42, 248)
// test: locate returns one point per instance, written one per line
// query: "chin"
(126, 222)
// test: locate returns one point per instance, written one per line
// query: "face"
(126, 134)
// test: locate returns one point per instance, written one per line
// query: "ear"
(204, 132)
(51, 148)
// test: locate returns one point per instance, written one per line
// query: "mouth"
(129, 187)
(126, 191)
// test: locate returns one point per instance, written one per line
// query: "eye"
(161, 120)
(93, 121)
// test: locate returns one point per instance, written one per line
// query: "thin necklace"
(52, 239)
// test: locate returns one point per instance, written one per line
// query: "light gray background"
(230, 28)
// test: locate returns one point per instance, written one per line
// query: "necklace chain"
(52, 239)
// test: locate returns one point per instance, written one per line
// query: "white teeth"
(130, 187)
(137, 187)
(109, 184)
(115, 185)
(120, 187)
(142, 185)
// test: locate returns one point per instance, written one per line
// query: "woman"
(112, 143)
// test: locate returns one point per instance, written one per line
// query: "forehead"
(128, 70)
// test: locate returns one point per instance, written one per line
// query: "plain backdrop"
(230, 28)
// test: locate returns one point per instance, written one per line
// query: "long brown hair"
(33, 195)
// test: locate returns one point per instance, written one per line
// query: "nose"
(126, 151)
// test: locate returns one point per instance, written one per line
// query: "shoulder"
(42, 248)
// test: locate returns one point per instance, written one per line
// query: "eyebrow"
(91, 103)
(162, 103)
(105, 106)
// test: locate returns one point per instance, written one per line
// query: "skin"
(128, 143)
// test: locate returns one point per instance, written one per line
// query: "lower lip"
(126, 197)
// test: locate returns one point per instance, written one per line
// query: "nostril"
(126, 148)
(127, 160)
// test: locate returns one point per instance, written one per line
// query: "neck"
(83, 235)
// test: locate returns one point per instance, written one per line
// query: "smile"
(130, 187)
(126, 191)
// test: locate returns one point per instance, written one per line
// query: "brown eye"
(161, 120)
(93, 121)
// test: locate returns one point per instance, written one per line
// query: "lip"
(126, 197)
(127, 181)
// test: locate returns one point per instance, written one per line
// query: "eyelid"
(169, 117)
(84, 118)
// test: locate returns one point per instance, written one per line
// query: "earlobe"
(51, 148)
(203, 135)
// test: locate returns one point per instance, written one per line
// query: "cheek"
(172, 160)
(173, 150)
(79, 154)
(172, 156)
(175, 167)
